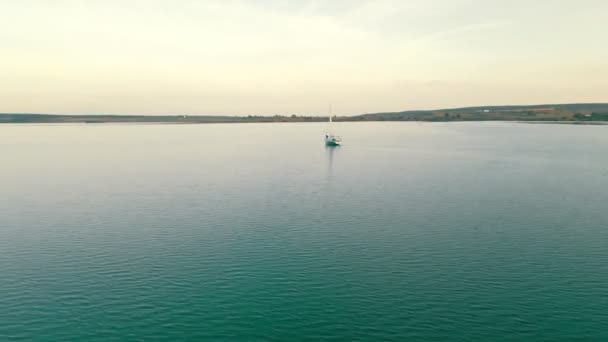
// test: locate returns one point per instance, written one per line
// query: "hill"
(575, 112)
(548, 112)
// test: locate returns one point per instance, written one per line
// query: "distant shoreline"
(592, 123)
(540, 122)
(576, 113)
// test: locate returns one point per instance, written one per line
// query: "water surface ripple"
(257, 232)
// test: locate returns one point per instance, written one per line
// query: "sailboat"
(330, 138)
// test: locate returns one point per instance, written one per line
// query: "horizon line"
(317, 115)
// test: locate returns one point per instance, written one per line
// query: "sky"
(242, 57)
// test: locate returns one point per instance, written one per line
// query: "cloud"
(454, 33)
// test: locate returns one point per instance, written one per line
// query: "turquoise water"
(258, 232)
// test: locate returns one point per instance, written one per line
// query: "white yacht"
(330, 138)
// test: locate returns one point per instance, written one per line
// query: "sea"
(410, 231)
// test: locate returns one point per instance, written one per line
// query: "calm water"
(257, 232)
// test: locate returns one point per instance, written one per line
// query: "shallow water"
(410, 231)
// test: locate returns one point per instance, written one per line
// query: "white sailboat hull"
(333, 141)
(330, 138)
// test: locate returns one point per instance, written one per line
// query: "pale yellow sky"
(272, 56)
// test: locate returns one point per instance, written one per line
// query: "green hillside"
(548, 112)
(577, 112)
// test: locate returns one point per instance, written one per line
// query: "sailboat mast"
(330, 138)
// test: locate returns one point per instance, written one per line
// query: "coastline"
(146, 120)
(577, 113)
